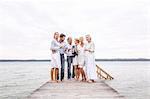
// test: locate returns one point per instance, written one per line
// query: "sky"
(119, 28)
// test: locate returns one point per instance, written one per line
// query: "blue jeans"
(69, 62)
(62, 58)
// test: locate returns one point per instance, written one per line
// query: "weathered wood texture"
(71, 89)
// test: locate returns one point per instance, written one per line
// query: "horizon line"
(104, 59)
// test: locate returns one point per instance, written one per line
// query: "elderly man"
(69, 56)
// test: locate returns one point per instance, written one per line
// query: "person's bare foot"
(61, 80)
(51, 81)
(84, 80)
(93, 81)
(57, 81)
(89, 81)
(81, 80)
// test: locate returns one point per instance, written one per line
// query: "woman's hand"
(53, 51)
(61, 46)
(87, 50)
(69, 50)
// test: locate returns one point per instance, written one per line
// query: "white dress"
(81, 56)
(75, 59)
(90, 61)
(55, 57)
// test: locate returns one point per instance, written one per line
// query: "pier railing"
(103, 74)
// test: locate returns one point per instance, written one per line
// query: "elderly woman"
(55, 61)
(90, 59)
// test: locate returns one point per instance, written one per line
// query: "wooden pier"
(75, 90)
(72, 89)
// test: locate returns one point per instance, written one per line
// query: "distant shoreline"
(46, 60)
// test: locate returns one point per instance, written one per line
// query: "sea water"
(20, 79)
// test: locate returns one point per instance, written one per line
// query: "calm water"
(132, 79)
(19, 79)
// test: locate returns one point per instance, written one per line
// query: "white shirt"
(69, 50)
(55, 45)
(80, 50)
(89, 46)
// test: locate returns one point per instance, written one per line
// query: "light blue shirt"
(64, 48)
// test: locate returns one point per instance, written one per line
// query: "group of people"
(80, 58)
